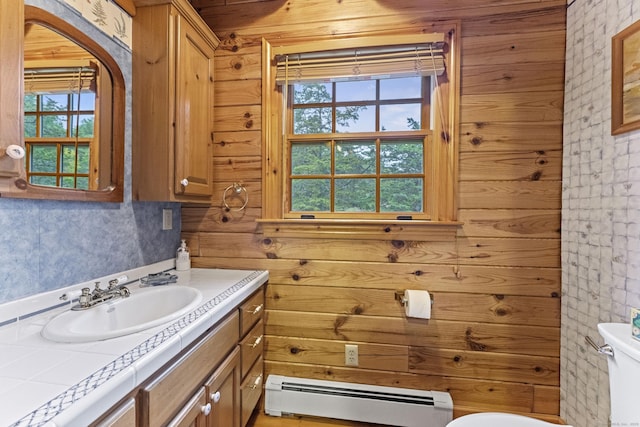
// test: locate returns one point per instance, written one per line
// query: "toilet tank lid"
(618, 335)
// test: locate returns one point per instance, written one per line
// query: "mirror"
(73, 100)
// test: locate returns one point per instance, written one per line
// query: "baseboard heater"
(357, 402)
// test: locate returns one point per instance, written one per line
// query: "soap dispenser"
(183, 261)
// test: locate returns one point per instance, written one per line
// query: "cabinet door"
(194, 113)
(223, 390)
(194, 413)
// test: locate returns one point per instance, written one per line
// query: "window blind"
(362, 63)
(59, 80)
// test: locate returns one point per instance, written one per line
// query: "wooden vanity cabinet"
(251, 347)
(215, 382)
(174, 386)
(173, 80)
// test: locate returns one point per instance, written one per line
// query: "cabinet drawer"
(251, 311)
(177, 383)
(251, 347)
(251, 390)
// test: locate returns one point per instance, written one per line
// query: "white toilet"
(624, 380)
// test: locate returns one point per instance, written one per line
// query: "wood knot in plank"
(536, 176)
(501, 312)
(358, 309)
(295, 277)
(294, 350)
(476, 140)
(398, 244)
(392, 257)
(339, 323)
(473, 345)
(271, 255)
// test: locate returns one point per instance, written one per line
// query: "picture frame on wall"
(625, 80)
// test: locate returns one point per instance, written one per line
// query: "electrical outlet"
(351, 354)
(167, 219)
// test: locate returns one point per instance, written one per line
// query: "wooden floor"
(262, 420)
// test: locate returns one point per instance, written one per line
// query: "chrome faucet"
(116, 289)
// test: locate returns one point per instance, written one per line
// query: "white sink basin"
(144, 309)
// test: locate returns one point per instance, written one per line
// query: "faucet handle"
(85, 297)
(118, 281)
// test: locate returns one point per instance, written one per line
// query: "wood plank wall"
(493, 340)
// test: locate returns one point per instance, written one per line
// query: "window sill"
(360, 229)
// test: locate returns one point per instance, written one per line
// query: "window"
(358, 147)
(59, 119)
(361, 132)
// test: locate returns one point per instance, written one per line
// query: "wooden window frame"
(443, 170)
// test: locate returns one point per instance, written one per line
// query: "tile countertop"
(44, 383)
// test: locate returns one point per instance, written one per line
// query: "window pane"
(402, 88)
(401, 195)
(401, 157)
(355, 119)
(310, 195)
(83, 159)
(311, 120)
(30, 102)
(400, 117)
(54, 102)
(68, 160)
(67, 182)
(54, 126)
(310, 159)
(30, 126)
(355, 195)
(44, 158)
(43, 180)
(355, 158)
(312, 93)
(87, 101)
(364, 90)
(82, 182)
(86, 125)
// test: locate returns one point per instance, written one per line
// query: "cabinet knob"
(206, 409)
(258, 309)
(184, 182)
(215, 397)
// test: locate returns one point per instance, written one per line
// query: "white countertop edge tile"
(159, 345)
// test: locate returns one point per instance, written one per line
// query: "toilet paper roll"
(417, 304)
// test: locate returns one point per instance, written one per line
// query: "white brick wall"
(601, 208)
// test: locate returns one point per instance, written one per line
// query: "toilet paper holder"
(399, 295)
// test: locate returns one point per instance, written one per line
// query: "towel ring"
(237, 190)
